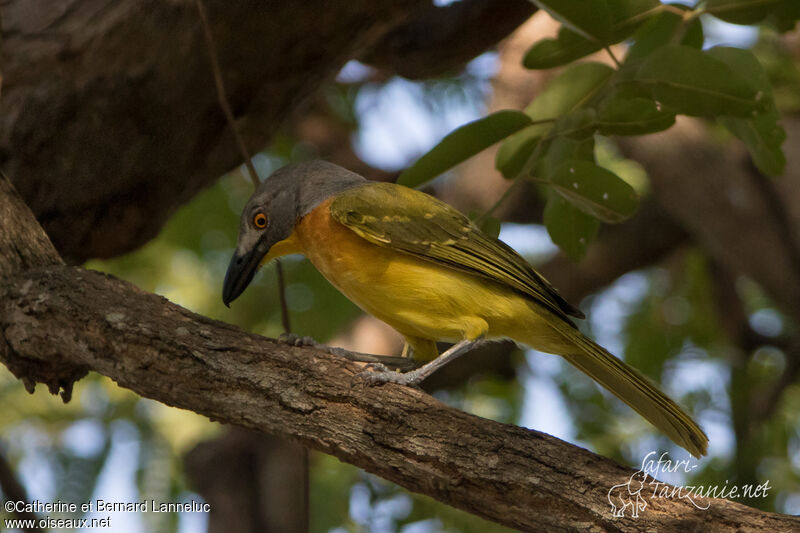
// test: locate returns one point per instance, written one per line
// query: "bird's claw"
(341, 352)
(375, 368)
(378, 374)
(296, 340)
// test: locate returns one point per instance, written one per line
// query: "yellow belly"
(416, 297)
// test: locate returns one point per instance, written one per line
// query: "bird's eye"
(260, 220)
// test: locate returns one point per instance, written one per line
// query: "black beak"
(240, 273)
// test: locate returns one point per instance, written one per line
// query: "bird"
(421, 266)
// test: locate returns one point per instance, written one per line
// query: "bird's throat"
(288, 246)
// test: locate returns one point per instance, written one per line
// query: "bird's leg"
(378, 362)
(415, 377)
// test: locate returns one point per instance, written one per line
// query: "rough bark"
(442, 38)
(57, 322)
(161, 351)
(110, 119)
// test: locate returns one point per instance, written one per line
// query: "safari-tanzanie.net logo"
(632, 498)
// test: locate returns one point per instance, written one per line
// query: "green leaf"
(745, 63)
(604, 21)
(590, 18)
(570, 228)
(572, 137)
(577, 86)
(628, 15)
(632, 116)
(693, 82)
(659, 31)
(462, 143)
(571, 89)
(487, 224)
(517, 149)
(763, 135)
(578, 124)
(565, 48)
(563, 149)
(753, 11)
(595, 190)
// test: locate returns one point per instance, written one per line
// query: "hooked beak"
(240, 273)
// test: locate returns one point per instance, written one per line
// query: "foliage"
(664, 73)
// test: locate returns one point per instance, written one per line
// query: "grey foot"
(379, 374)
(297, 340)
(415, 377)
(376, 361)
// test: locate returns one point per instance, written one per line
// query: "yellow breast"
(418, 298)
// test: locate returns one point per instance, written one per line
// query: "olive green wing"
(416, 223)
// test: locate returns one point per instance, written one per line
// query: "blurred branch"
(13, 491)
(733, 318)
(725, 212)
(57, 322)
(767, 399)
(778, 210)
(642, 241)
(745, 223)
(440, 39)
(255, 483)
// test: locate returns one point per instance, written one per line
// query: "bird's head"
(272, 212)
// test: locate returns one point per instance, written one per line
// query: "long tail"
(630, 386)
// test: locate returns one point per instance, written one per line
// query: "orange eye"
(260, 220)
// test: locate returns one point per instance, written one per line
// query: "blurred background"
(715, 339)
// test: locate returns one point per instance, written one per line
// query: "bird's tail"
(633, 388)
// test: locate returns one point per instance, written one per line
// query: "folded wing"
(413, 222)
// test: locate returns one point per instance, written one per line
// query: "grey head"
(274, 209)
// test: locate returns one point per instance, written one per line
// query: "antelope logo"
(628, 496)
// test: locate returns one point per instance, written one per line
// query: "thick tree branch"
(57, 322)
(23, 244)
(503, 473)
(440, 39)
(139, 130)
(105, 134)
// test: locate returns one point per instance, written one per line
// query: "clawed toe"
(297, 340)
(340, 352)
(377, 374)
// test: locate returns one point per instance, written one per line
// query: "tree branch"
(57, 322)
(440, 39)
(13, 491)
(81, 319)
(118, 101)
(725, 212)
(255, 483)
(127, 179)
